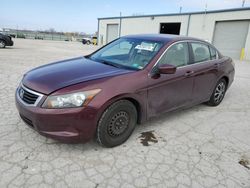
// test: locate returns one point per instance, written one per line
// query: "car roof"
(166, 38)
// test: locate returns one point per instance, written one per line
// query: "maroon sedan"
(128, 81)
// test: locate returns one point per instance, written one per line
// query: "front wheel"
(218, 93)
(116, 123)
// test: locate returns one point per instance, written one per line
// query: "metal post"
(243, 3)
(120, 25)
(98, 32)
(180, 9)
(204, 17)
(188, 24)
(16, 31)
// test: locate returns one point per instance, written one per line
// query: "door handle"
(189, 73)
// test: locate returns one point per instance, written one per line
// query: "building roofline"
(179, 14)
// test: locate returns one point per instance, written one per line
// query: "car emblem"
(21, 93)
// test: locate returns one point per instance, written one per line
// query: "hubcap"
(118, 124)
(219, 92)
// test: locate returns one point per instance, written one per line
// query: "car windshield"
(128, 53)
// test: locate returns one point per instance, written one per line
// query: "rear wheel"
(117, 123)
(2, 44)
(218, 93)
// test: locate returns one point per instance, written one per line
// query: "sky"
(81, 15)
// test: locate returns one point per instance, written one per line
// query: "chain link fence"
(44, 35)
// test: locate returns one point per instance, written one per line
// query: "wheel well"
(226, 78)
(137, 106)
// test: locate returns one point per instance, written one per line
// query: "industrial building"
(228, 30)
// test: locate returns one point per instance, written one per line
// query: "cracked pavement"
(197, 147)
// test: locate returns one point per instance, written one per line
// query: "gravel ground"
(197, 147)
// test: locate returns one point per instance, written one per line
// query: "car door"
(205, 68)
(170, 91)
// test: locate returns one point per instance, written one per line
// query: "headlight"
(70, 100)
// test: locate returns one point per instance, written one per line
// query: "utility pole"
(16, 31)
(180, 9)
(204, 17)
(243, 3)
(120, 24)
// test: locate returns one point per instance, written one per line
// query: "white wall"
(141, 25)
(102, 35)
(247, 47)
(151, 24)
(201, 25)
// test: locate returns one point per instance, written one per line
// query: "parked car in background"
(126, 82)
(87, 41)
(5, 40)
(38, 38)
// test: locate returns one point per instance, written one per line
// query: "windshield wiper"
(111, 64)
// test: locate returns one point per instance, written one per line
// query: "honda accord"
(128, 81)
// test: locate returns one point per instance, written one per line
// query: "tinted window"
(201, 52)
(176, 55)
(213, 52)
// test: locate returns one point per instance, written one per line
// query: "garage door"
(112, 32)
(230, 37)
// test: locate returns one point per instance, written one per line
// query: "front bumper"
(72, 125)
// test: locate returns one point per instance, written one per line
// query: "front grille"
(28, 96)
(27, 121)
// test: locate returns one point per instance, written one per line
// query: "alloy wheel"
(219, 92)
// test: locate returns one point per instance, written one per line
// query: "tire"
(218, 93)
(116, 123)
(88, 42)
(2, 44)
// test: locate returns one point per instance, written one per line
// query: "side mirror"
(167, 69)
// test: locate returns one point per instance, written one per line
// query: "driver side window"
(176, 55)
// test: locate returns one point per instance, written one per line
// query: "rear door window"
(200, 51)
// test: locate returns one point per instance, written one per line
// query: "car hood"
(49, 78)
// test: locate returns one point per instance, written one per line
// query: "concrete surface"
(198, 147)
